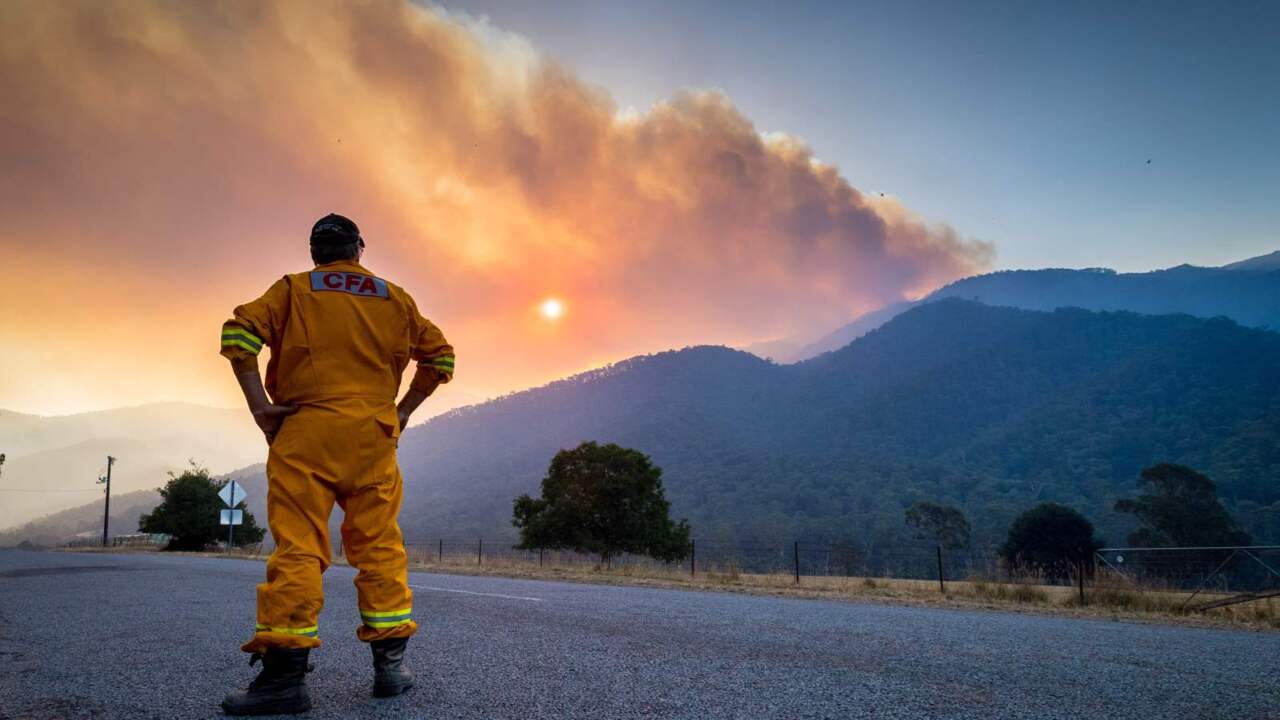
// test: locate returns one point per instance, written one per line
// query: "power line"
(26, 490)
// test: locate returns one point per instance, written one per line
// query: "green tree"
(189, 511)
(1180, 509)
(943, 524)
(602, 499)
(1052, 540)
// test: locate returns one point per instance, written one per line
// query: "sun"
(551, 309)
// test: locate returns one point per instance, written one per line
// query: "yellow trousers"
(343, 452)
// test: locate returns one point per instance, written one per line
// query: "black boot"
(390, 676)
(280, 689)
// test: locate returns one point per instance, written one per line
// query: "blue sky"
(1027, 125)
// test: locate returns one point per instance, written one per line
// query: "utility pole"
(106, 509)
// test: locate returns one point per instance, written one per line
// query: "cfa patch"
(349, 282)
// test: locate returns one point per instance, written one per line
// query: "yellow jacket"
(337, 332)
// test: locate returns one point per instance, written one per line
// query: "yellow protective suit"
(340, 341)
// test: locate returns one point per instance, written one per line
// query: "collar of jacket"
(345, 266)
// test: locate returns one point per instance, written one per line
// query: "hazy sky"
(1024, 124)
(673, 174)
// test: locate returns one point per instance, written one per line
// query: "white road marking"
(472, 592)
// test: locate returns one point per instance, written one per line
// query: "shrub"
(1050, 540)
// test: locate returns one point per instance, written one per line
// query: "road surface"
(156, 636)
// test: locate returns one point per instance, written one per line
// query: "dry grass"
(1113, 603)
(245, 553)
(1135, 605)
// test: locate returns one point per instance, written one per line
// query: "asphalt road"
(154, 636)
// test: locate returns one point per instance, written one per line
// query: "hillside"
(991, 408)
(1249, 296)
(86, 520)
(1247, 292)
(53, 463)
(1264, 263)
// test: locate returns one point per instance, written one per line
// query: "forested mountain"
(53, 463)
(84, 522)
(1247, 295)
(989, 408)
(1247, 292)
(1265, 263)
(846, 334)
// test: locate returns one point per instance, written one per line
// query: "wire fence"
(1179, 580)
(1210, 575)
(796, 558)
(1202, 575)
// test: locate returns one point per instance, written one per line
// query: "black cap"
(334, 229)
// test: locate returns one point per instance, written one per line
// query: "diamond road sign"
(231, 517)
(232, 494)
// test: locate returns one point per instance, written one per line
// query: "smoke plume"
(163, 162)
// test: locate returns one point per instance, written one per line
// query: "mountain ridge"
(933, 396)
(1247, 291)
(52, 458)
(993, 409)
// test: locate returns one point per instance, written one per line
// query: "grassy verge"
(1134, 605)
(1110, 603)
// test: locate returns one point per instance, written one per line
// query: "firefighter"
(340, 338)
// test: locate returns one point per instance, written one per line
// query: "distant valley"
(978, 404)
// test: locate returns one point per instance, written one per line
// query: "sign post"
(232, 494)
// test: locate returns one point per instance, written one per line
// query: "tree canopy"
(189, 512)
(1180, 509)
(942, 524)
(602, 499)
(1051, 540)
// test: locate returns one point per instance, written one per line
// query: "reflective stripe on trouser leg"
(375, 546)
(387, 619)
(298, 507)
(312, 631)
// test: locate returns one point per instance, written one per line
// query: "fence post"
(797, 556)
(942, 588)
(693, 558)
(1081, 574)
(539, 557)
(480, 553)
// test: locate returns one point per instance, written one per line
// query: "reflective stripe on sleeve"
(304, 631)
(444, 363)
(236, 342)
(236, 336)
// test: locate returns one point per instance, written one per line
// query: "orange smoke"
(163, 163)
